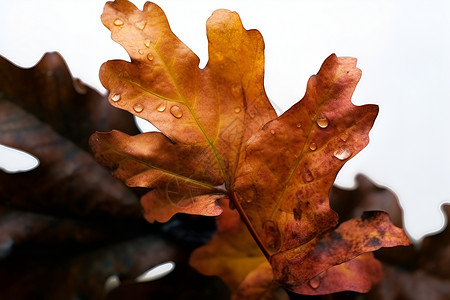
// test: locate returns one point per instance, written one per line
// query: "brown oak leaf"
(220, 138)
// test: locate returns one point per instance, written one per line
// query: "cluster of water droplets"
(175, 110)
(137, 107)
(341, 153)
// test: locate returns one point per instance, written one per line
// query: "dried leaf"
(352, 238)
(64, 166)
(71, 108)
(422, 275)
(175, 171)
(231, 254)
(221, 139)
(358, 274)
(284, 180)
(435, 250)
(367, 196)
(213, 110)
(259, 285)
(83, 274)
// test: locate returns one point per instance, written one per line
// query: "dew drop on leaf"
(312, 146)
(237, 110)
(272, 131)
(141, 51)
(147, 43)
(118, 22)
(115, 97)
(138, 107)
(162, 107)
(176, 111)
(150, 57)
(314, 282)
(342, 153)
(322, 122)
(299, 125)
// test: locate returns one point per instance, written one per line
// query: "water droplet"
(115, 97)
(141, 51)
(138, 107)
(272, 131)
(176, 111)
(237, 110)
(118, 22)
(162, 107)
(308, 176)
(248, 200)
(314, 282)
(342, 153)
(147, 43)
(140, 24)
(150, 57)
(312, 146)
(299, 125)
(322, 122)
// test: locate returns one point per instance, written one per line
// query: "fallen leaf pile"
(57, 244)
(222, 151)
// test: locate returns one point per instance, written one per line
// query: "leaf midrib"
(173, 174)
(184, 102)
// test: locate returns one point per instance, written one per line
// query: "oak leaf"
(215, 109)
(221, 139)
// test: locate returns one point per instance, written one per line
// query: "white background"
(403, 48)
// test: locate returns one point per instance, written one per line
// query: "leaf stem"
(249, 225)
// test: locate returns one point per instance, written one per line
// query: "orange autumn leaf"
(337, 260)
(231, 253)
(175, 172)
(221, 139)
(290, 165)
(338, 246)
(216, 108)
